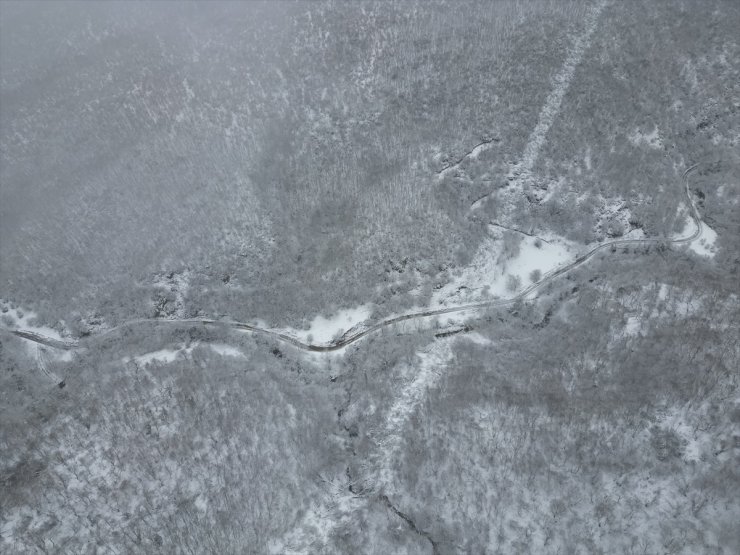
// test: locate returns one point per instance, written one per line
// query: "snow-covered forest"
(446, 276)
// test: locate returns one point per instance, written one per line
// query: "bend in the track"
(346, 340)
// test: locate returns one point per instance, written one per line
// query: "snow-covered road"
(358, 329)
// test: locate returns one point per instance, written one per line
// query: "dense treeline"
(279, 161)
(262, 143)
(574, 429)
(210, 453)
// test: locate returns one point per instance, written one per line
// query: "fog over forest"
(399, 276)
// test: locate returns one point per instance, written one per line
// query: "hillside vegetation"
(286, 163)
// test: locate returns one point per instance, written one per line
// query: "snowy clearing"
(161, 355)
(172, 354)
(705, 244)
(323, 330)
(652, 139)
(632, 326)
(488, 275)
(226, 350)
(696, 444)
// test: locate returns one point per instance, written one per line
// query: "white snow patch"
(477, 338)
(323, 330)
(226, 350)
(161, 355)
(488, 275)
(651, 139)
(188, 91)
(65, 356)
(663, 292)
(695, 442)
(21, 319)
(553, 187)
(173, 354)
(633, 325)
(705, 244)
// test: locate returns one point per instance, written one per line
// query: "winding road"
(351, 337)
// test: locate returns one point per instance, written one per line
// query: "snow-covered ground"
(633, 325)
(650, 139)
(226, 350)
(705, 244)
(21, 319)
(161, 355)
(322, 329)
(172, 354)
(695, 443)
(487, 274)
(689, 225)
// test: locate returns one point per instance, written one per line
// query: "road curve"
(350, 338)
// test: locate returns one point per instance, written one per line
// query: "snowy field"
(173, 354)
(705, 244)
(488, 276)
(322, 329)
